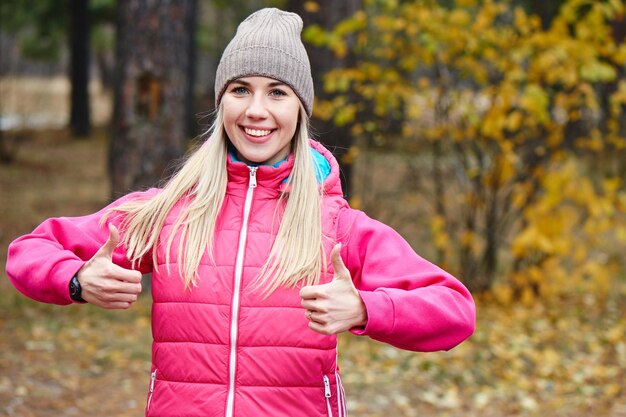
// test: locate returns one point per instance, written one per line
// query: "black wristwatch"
(76, 290)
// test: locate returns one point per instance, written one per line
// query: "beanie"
(268, 44)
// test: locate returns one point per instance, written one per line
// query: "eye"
(238, 89)
(277, 92)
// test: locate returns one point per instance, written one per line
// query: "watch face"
(75, 289)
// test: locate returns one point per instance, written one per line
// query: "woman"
(257, 261)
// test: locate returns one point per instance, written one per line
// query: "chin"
(256, 158)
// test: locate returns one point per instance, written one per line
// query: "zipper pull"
(326, 387)
(152, 379)
(252, 177)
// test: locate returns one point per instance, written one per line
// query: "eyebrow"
(272, 84)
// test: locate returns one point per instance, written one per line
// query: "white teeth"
(257, 132)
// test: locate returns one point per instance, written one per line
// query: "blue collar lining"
(322, 166)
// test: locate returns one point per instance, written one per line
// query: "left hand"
(334, 307)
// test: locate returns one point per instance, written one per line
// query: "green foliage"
(219, 19)
(502, 106)
(42, 25)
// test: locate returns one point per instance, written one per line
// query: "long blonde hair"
(297, 255)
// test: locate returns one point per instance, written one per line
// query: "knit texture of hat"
(268, 44)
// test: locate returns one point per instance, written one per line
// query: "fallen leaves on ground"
(562, 359)
(566, 358)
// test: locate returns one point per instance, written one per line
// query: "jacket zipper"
(327, 394)
(152, 380)
(243, 234)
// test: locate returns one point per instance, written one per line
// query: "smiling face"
(260, 118)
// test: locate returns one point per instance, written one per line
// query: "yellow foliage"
(535, 101)
(311, 6)
(503, 294)
(466, 3)
(438, 230)
(514, 120)
(595, 71)
(356, 202)
(571, 227)
(531, 239)
(345, 114)
(349, 157)
(512, 103)
(459, 17)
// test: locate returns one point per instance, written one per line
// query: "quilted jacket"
(221, 348)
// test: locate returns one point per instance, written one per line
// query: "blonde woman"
(257, 261)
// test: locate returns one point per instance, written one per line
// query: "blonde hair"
(297, 254)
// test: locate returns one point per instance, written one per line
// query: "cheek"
(291, 122)
(230, 121)
(231, 108)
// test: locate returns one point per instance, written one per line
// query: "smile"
(257, 132)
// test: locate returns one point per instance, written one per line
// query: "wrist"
(361, 312)
(75, 289)
(362, 316)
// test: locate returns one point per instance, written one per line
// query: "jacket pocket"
(327, 395)
(151, 392)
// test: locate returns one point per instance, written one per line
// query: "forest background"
(491, 134)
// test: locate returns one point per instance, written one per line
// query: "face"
(260, 118)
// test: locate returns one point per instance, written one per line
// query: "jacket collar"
(274, 177)
(267, 176)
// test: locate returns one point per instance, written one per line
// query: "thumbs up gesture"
(334, 307)
(106, 284)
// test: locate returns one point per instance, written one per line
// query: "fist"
(334, 307)
(106, 284)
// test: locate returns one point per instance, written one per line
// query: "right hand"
(106, 284)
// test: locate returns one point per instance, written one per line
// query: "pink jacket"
(223, 350)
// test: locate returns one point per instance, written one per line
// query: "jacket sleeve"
(411, 303)
(41, 264)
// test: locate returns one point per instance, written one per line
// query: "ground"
(562, 358)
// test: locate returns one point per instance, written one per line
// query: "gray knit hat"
(268, 44)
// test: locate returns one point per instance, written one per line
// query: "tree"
(46, 28)
(152, 86)
(217, 24)
(500, 105)
(322, 16)
(79, 37)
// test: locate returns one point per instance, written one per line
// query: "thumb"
(341, 272)
(111, 244)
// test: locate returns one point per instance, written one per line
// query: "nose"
(257, 107)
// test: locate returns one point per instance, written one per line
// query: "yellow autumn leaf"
(514, 120)
(311, 6)
(535, 101)
(595, 71)
(531, 239)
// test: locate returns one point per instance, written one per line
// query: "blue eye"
(239, 90)
(277, 93)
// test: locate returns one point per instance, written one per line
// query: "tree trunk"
(327, 15)
(191, 125)
(80, 27)
(152, 85)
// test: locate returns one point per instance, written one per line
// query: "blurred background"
(490, 134)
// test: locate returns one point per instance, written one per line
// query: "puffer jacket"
(221, 348)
